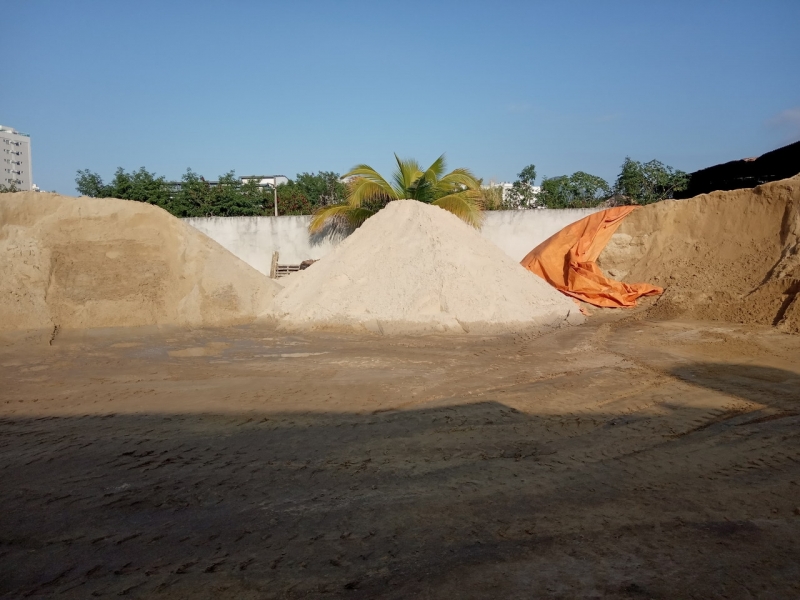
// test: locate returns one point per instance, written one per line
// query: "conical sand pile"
(415, 268)
(731, 256)
(85, 262)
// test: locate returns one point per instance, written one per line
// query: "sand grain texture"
(728, 256)
(415, 268)
(88, 262)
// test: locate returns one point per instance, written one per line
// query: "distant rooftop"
(12, 130)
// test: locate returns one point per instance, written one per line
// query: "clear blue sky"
(286, 87)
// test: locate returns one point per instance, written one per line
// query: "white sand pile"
(415, 268)
(86, 262)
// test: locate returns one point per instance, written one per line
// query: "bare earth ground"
(620, 459)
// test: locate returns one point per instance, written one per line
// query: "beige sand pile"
(415, 268)
(86, 262)
(732, 256)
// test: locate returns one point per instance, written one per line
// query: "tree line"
(309, 193)
(229, 196)
(637, 183)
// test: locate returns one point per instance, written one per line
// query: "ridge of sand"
(729, 256)
(91, 262)
(415, 268)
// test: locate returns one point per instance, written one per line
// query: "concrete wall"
(517, 232)
(254, 239)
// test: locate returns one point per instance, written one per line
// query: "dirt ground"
(625, 458)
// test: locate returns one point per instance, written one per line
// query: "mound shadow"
(394, 504)
(773, 387)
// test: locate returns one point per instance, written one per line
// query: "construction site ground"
(626, 458)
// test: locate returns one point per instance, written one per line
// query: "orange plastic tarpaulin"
(567, 261)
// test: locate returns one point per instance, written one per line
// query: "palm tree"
(457, 191)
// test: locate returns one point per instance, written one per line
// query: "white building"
(266, 180)
(16, 155)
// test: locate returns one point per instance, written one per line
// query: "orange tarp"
(567, 261)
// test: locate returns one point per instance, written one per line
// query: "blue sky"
(286, 87)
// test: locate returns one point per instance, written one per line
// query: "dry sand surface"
(626, 458)
(620, 459)
(732, 256)
(89, 262)
(415, 268)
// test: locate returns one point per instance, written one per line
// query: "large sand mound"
(415, 268)
(732, 256)
(87, 262)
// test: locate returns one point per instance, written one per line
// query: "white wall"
(517, 232)
(254, 239)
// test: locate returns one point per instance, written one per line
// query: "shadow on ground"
(776, 388)
(474, 500)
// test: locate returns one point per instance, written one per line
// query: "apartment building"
(15, 151)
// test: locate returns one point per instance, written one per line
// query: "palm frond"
(458, 192)
(363, 190)
(357, 215)
(351, 216)
(435, 171)
(466, 205)
(368, 185)
(460, 178)
(321, 217)
(407, 173)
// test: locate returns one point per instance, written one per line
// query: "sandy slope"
(86, 262)
(731, 256)
(415, 268)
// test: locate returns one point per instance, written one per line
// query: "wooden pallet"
(284, 270)
(277, 270)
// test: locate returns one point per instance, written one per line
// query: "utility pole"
(263, 182)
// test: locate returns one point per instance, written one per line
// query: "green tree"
(140, 185)
(231, 198)
(645, 183)
(292, 201)
(308, 192)
(522, 193)
(91, 184)
(458, 192)
(579, 190)
(323, 188)
(194, 197)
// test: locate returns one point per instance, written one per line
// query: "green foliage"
(649, 182)
(292, 201)
(8, 188)
(493, 198)
(229, 197)
(458, 192)
(309, 192)
(522, 193)
(91, 184)
(321, 189)
(579, 190)
(140, 185)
